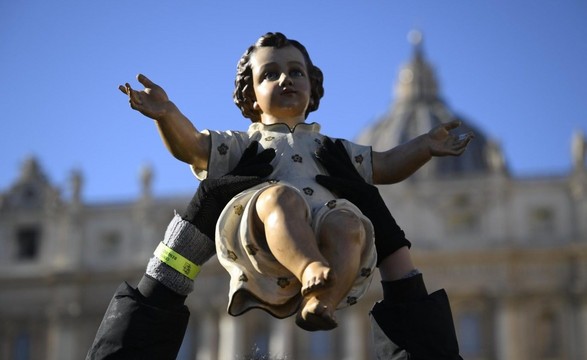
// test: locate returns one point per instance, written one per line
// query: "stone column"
(208, 335)
(61, 341)
(353, 327)
(507, 334)
(231, 337)
(281, 338)
(581, 329)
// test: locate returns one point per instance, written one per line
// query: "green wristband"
(176, 261)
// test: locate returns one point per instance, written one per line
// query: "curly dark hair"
(244, 94)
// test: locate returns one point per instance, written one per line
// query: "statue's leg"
(282, 214)
(342, 242)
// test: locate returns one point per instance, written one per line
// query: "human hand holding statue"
(344, 180)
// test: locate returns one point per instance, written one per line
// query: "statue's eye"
(271, 75)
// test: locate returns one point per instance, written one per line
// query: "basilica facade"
(510, 252)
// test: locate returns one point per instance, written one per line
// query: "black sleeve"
(418, 330)
(132, 329)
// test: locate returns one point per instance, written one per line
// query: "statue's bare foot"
(315, 276)
(315, 316)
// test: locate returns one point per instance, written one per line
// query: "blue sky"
(515, 69)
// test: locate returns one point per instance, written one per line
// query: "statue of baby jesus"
(290, 245)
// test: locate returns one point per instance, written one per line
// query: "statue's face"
(281, 84)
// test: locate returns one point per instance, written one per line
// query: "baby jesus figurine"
(289, 244)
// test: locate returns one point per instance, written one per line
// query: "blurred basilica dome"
(419, 107)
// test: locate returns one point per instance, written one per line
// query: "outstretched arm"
(149, 322)
(400, 162)
(179, 135)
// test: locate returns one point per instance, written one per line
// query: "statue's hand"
(152, 101)
(442, 142)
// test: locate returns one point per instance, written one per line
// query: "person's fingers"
(123, 89)
(256, 170)
(340, 147)
(327, 142)
(253, 164)
(339, 167)
(249, 183)
(266, 155)
(322, 150)
(250, 155)
(341, 186)
(225, 188)
(250, 151)
(330, 151)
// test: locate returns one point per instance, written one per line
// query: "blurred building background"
(511, 253)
